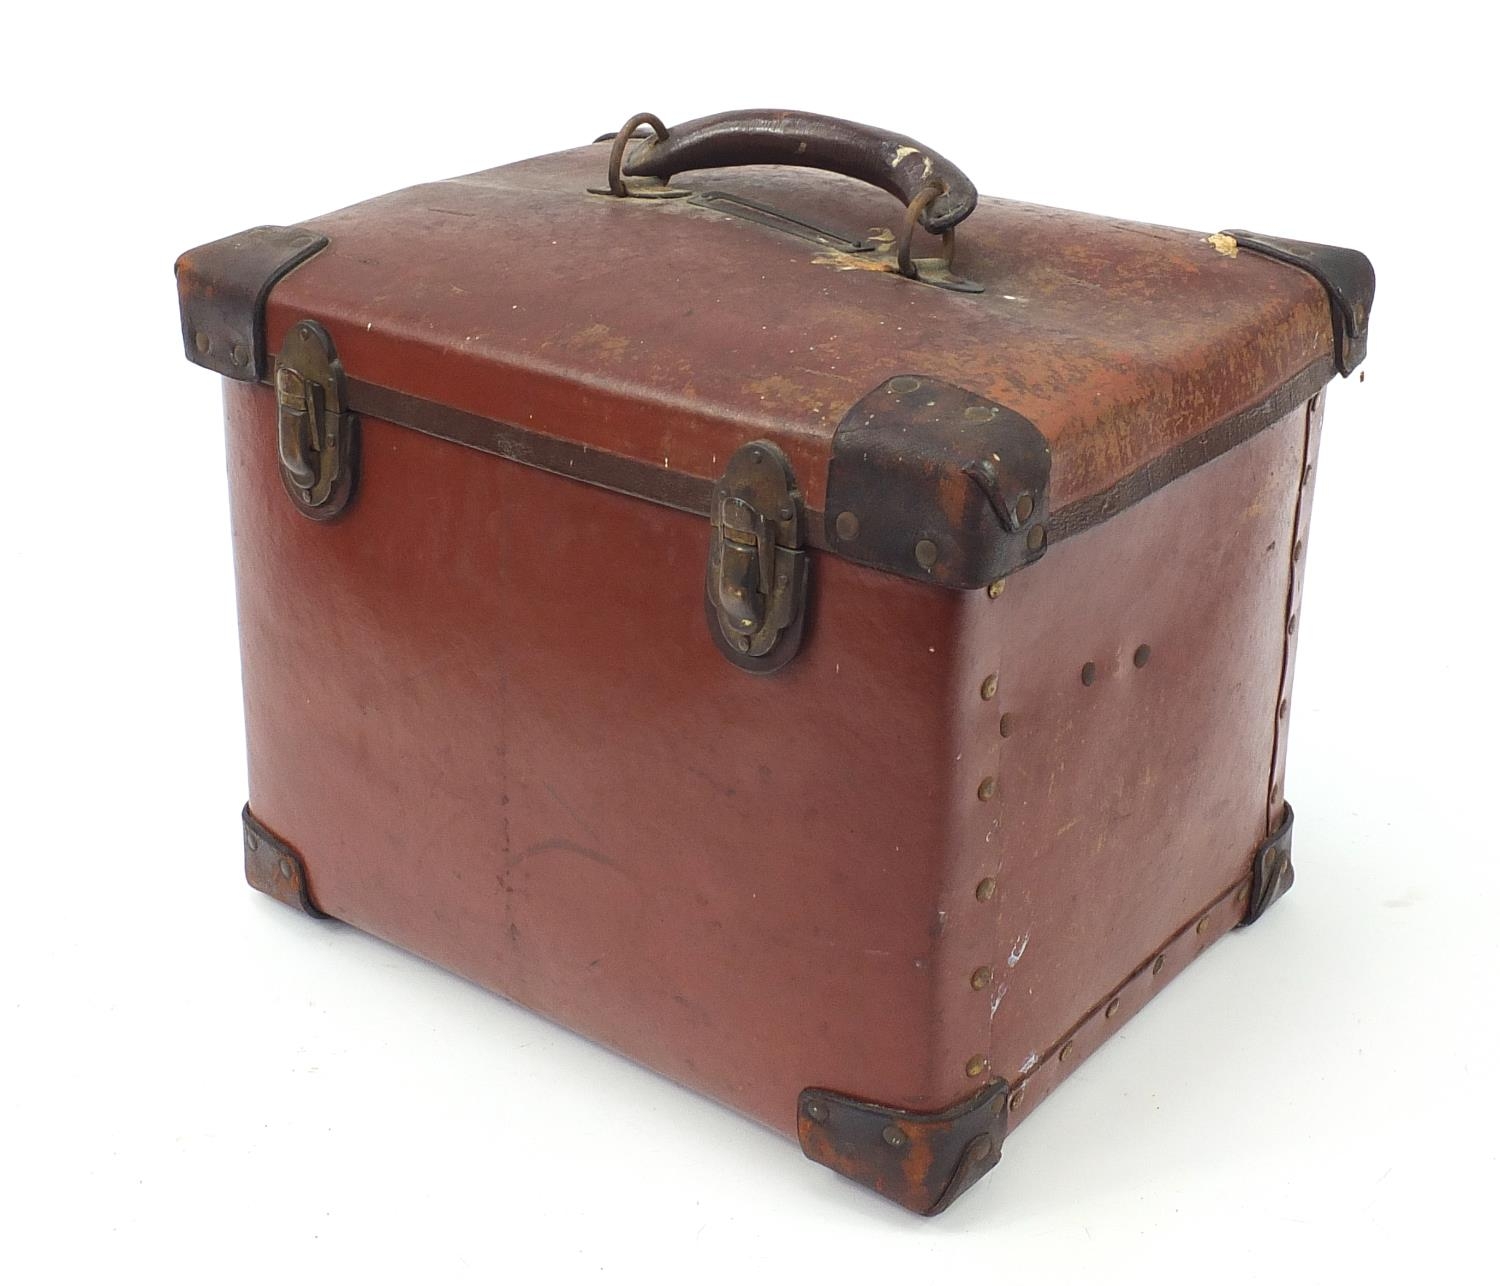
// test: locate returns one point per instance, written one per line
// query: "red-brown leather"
(484, 707)
(673, 334)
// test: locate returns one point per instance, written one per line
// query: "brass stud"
(926, 553)
(1142, 655)
(238, 355)
(983, 1146)
(1065, 1053)
(1201, 926)
(201, 341)
(1088, 674)
(995, 588)
(998, 1103)
(1156, 965)
(252, 841)
(1017, 1098)
(1243, 895)
(894, 1135)
(981, 977)
(989, 687)
(285, 867)
(1036, 538)
(1025, 507)
(1112, 1008)
(904, 384)
(985, 890)
(1007, 724)
(981, 414)
(987, 788)
(817, 1111)
(846, 526)
(977, 1066)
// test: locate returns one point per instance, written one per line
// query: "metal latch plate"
(757, 569)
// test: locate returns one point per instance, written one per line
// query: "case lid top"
(653, 337)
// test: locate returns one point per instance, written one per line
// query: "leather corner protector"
(1347, 276)
(935, 483)
(222, 289)
(921, 1160)
(275, 868)
(1271, 873)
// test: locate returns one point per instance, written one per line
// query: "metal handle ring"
(920, 202)
(617, 152)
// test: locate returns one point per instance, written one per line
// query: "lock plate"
(316, 434)
(756, 592)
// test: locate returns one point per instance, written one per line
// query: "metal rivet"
(1024, 507)
(981, 977)
(980, 414)
(1156, 965)
(846, 525)
(741, 642)
(817, 1111)
(1243, 895)
(985, 890)
(904, 384)
(252, 841)
(285, 867)
(1297, 552)
(238, 356)
(1007, 724)
(977, 1066)
(1284, 708)
(987, 788)
(1291, 623)
(1017, 1098)
(1036, 538)
(983, 1146)
(1202, 925)
(1088, 674)
(305, 331)
(201, 342)
(989, 687)
(995, 588)
(1142, 655)
(927, 553)
(894, 1135)
(1112, 1008)
(307, 497)
(1065, 1053)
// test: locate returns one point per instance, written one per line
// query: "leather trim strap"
(691, 494)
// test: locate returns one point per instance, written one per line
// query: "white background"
(197, 1085)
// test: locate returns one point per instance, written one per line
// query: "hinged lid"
(637, 344)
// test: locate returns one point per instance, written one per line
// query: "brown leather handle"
(893, 162)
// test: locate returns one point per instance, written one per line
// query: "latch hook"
(757, 568)
(315, 432)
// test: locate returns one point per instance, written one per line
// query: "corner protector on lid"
(933, 482)
(1347, 276)
(921, 1160)
(222, 289)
